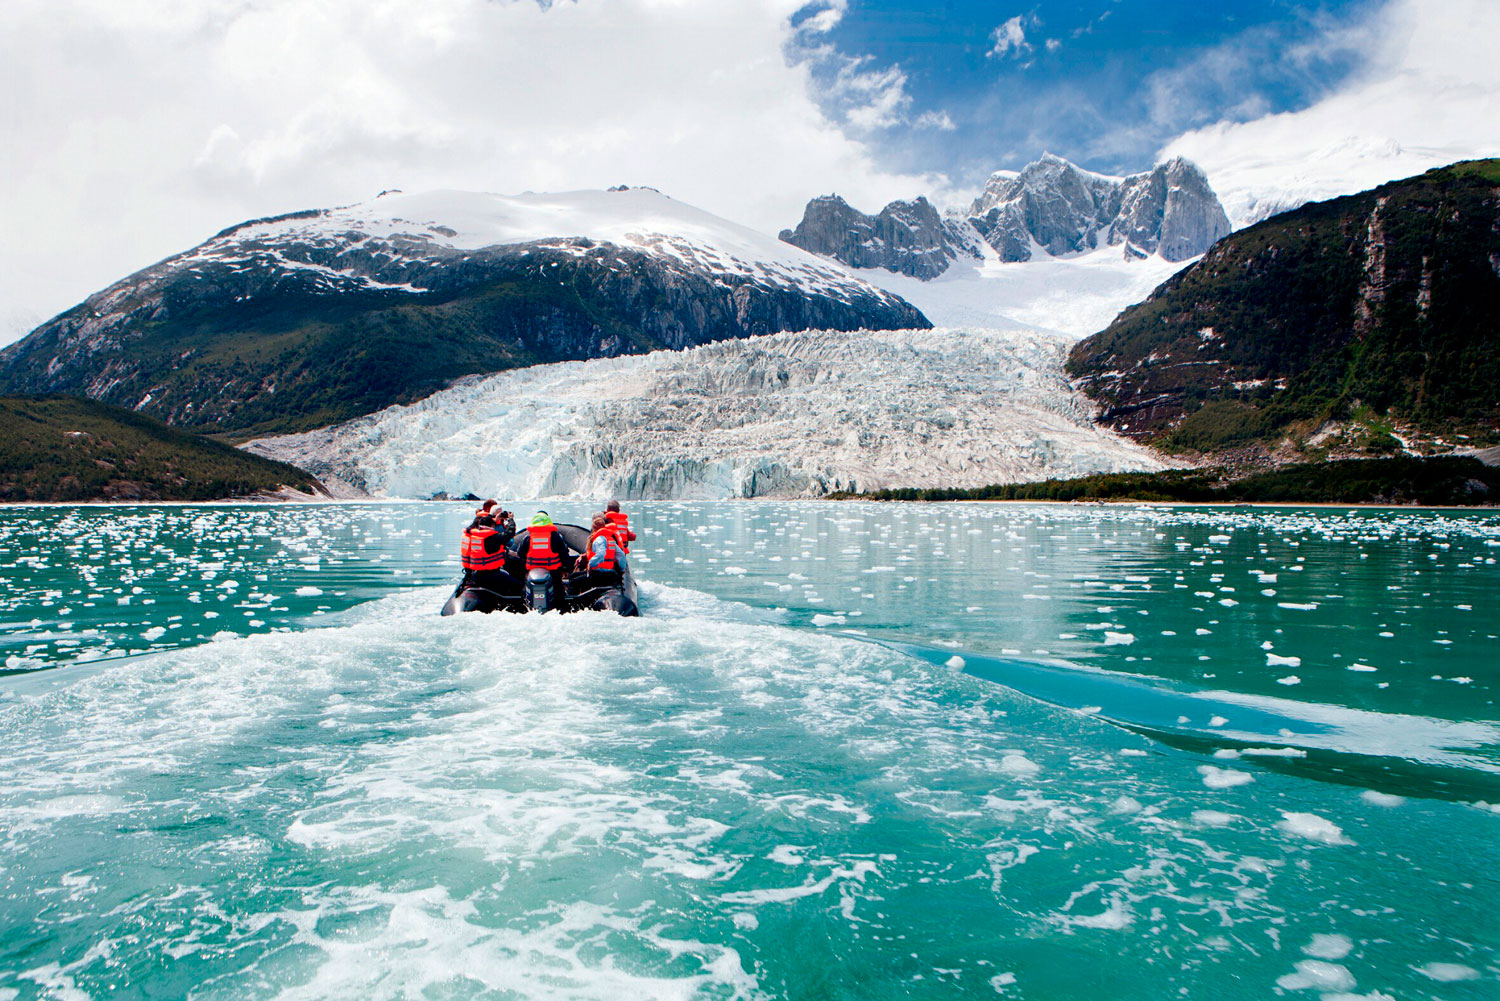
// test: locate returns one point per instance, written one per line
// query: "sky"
(135, 129)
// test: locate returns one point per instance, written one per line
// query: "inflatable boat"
(513, 589)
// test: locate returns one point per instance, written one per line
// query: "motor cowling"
(539, 591)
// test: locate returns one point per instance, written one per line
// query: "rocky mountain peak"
(1051, 206)
(908, 237)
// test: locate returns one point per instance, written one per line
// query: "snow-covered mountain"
(1260, 179)
(314, 316)
(1057, 206)
(794, 414)
(1052, 208)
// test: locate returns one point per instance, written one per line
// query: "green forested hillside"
(1447, 481)
(63, 448)
(1379, 310)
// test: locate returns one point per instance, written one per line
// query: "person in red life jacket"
(603, 557)
(483, 550)
(546, 550)
(621, 523)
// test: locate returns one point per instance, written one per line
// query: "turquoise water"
(850, 751)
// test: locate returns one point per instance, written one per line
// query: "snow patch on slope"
(1069, 297)
(794, 414)
(639, 219)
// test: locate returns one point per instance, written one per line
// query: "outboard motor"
(539, 596)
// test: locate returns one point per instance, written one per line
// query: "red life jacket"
(620, 521)
(473, 556)
(539, 552)
(611, 558)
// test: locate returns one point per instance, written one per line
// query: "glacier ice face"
(795, 414)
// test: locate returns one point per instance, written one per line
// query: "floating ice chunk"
(1118, 639)
(1002, 980)
(1330, 947)
(1213, 818)
(1447, 973)
(1223, 778)
(1363, 668)
(1290, 679)
(1297, 606)
(1218, 540)
(1274, 752)
(820, 620)
(154, 633)
(1375, 798)
(1314, 828)
(956, 662)
(734, 571)
(1228, 602)
(1019, 765)
(1217, 721)
(1203, 632)
(1275, 660)
(1314, 974)
(747, 921)
(308, 592)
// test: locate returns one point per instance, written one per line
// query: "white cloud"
(939, 120)
(824, 18)
(136, 128)
(1428, 94)
(1010, 39)
(871, 98)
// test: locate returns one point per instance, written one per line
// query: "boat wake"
(591, 806)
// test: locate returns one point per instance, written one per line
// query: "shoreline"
(395, 501)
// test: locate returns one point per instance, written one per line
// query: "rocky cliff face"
(1169, 210)
(1052, 207)
(319, 316)
(909, 238)
(1371, 309)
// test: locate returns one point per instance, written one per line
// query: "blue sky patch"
(967, 87)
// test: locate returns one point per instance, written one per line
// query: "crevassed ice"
(792, 414)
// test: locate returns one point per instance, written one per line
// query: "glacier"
(785, 415)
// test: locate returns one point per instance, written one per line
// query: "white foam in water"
(1019, 765)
